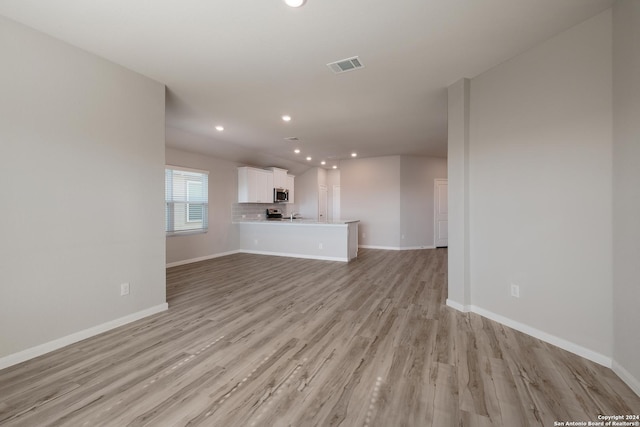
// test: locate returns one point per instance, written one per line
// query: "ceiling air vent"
(345, 65)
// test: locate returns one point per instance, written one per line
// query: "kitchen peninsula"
(300, 238)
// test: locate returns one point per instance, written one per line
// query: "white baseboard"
(318, 257)
(458, 306)
(551, 339)
(396, 248)
(39, 350)
(202, 258)
(415, 248)
(536, 333)
(386, 248)
(630, 380)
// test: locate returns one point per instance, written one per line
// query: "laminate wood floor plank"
(252, 340)
(512, 412)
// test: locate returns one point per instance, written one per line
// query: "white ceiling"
(244, 63)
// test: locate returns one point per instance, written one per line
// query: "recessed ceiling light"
(335, 166)
(323, 163)
(294, 3)
(297, 151)
(286, 118)
(308, 158)
(354, 154)
(219, 128)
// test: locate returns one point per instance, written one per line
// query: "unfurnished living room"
(320, 213)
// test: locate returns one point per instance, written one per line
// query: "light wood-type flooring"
(252, 340)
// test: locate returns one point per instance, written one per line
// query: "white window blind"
(186, 200)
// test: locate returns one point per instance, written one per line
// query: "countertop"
(286, 221)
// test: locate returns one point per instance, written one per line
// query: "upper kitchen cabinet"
(279, 178)
(255, 185)
(289, 186)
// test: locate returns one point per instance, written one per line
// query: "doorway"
(336, 202)
(441, 212)
(322, 203)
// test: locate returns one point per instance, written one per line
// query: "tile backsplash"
(240, 211)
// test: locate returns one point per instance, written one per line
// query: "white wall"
(370, 192)
(417, 176)
(222, 236)
(81, 167)
(306, 193)
(626, 190)
(540, 189)
(333, 179)
(392, 196)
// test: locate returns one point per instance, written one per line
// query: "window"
(194, 211)
(186, 200)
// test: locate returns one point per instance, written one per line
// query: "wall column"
(626, 194)
(458, 175)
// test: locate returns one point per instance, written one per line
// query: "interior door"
(322, 203)
(441, 211)
(336, 202)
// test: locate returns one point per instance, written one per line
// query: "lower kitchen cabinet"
(334, 241)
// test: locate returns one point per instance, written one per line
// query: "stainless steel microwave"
(280, 195)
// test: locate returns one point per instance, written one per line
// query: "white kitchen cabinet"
(289, 186)
(255, 185)
(265, 186)
(335, 241)
(279, 177)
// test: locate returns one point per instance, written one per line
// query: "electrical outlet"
(402, 237)
(364, 235)
(124, 289)
(515, 290)
(319, 245)
(255, 242)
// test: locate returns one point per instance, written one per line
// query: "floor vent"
(345, 65)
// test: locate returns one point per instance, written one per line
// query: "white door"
(322, 203)
(336, 202)
(441, 210)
